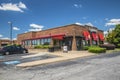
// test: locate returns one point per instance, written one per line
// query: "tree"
(114, 36)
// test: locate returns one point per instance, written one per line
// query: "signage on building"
(93, 30)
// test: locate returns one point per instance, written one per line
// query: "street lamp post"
(10, 23)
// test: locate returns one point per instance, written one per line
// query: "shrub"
(108, 46)
(85, 47)
(45, 46)
(41, 47)
(38, 46)
(97, 50)
(118, 45)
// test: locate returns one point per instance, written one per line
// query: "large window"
(28, 42)
(42, 41)
(45, 41)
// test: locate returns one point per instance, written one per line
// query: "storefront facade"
(73, 35)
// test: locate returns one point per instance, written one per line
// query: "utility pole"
(10, 23)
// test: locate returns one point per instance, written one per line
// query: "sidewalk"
(63, 56)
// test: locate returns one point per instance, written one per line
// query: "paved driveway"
(101, 67)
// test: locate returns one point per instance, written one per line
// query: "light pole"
(10, 23)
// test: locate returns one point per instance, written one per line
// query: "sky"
(37, 15)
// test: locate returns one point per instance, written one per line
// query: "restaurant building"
(74, 36)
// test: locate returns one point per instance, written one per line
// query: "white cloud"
(77, 5)
(14, 38)
(16, 28)
(13, 7)
(36, 27)
(89, 24)
(111, 29)
(113, 22)
(6, 38)
(78, 23)
(22, 5)
(105, 32)
(1, 35)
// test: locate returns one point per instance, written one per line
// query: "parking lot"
(14, 59)
(98, 67)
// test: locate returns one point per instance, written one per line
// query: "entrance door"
(79, 43)
(68, 42)
(57, 44)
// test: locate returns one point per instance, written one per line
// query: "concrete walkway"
(62, 57)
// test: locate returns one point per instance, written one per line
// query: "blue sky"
(35, 15)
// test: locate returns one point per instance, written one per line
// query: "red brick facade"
(72, 35)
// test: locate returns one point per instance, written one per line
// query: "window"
(28, 42)
(49, 40)
(42, 41)
(38, 42)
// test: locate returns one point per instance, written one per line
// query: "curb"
(47, 61)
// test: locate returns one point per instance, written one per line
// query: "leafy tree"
(114, 36)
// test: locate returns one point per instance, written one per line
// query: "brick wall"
(23, 36)
(68, 30)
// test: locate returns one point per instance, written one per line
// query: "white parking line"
(12, 62)
(34, 55)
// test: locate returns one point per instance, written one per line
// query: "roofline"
(60, 27)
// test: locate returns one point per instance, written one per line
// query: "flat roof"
(61, 27)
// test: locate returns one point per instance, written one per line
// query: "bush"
(85, 47)
(97, 50)
(118, 45)
(108, 46)
(41, 47)
(45, 46)
(38, 46)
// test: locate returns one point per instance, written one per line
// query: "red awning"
(54, 36)
(101, 37)
(95, 37)
(58, 37)
(86, 35)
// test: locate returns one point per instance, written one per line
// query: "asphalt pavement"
(97, 67)
(14, 59)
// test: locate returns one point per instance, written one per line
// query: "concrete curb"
(48, 61)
